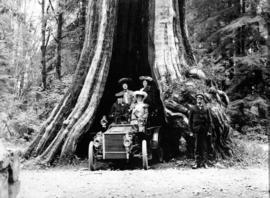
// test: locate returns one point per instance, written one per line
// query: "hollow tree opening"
(129, 59)
(130, 49)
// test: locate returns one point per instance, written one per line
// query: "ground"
(165, 182)
(244, 175)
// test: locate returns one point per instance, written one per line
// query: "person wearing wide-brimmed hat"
(127, 94)
(146, 83)
(120, 111)
(139, 113)
(200, 123)
(152, 99)
(146, 79)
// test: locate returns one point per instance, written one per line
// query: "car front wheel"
(144, 155)
(91, 157)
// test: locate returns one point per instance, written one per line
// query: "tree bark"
(43, 45)
(59, 44)
(184, 32)
(82, 21)
(243, 29)
(240, 37)
(169, 61)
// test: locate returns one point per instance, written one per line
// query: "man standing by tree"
(200, 125)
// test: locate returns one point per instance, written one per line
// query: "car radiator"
(113, 146)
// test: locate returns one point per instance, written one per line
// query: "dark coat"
(119, 113)
(200, 120)
(152, 96)
(129, 95)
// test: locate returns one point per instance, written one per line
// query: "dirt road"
(212, 182)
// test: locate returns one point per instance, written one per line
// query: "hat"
(148, 78)
(140, 93)
(124, 80)
(119, 95)
(200, 94)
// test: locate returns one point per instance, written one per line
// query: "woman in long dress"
(139, 112)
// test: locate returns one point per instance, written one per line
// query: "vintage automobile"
(125, 141)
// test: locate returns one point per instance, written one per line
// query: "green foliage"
(242, 21)
(19, 44)
(248, 153)
(23, 105)
(22, 118)
(230, 37)
(72, 32)
(249, 114)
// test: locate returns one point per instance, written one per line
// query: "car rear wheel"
(91, 157)
(144, 155)
(158, 155)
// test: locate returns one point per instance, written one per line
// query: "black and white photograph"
(134, 98)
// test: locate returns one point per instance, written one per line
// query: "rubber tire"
(144, 155)
(91, 157)
(161, 155)
(158, 155)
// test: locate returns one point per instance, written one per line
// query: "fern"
(254, 59)
(242, 21)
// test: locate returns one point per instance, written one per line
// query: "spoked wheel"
(91, 157)
(144, 155)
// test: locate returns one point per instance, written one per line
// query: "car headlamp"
(127, 140)
(98, 140)
(97, 143)
(127, 143)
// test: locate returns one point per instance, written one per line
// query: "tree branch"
(53, 11)
(48, 38)
(51, 5)
(56, 40)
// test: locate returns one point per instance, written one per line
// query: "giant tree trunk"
(169, 60)
(75, 113)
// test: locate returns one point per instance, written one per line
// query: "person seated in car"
(139, 112)
(128, 97)
(119, 113)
